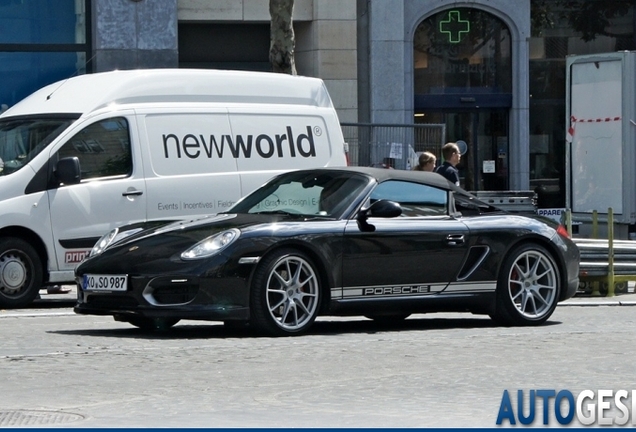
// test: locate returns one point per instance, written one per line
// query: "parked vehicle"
(339, 241)
(85, 155)
(600, 108)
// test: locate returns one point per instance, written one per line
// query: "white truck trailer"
(601, 139)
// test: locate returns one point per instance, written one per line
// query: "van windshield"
(21, 139)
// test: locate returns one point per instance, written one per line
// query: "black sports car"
(334, 241)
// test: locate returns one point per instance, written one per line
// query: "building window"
(224, 46)
(461, 50)
(41, 41)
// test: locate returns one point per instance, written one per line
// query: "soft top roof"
(381, 174)
(85, 93)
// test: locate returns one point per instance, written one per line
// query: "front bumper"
(214, 299)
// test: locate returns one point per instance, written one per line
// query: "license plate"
(105, 282)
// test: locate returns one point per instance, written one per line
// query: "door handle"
(455, 239)
(133, 192)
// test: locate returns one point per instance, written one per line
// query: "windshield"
(21, 139)
(308, 193)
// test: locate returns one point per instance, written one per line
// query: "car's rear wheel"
(153, 324)
(285, 293)
(20, 273)
(528, 287)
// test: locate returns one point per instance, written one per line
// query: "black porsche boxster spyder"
(333, 241)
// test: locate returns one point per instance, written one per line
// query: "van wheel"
(20, 273)
(528, 287)
(285, 293)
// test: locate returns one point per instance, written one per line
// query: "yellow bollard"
(568, 221)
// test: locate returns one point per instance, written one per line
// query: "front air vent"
(171, 291)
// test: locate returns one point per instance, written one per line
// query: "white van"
(84, 155)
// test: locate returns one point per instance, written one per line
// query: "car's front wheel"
(528, 287)
(20, 273)
(285, 293)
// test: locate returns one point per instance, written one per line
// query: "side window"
(416, 199)
(103, 149)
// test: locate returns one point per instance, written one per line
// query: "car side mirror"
(381, 208)
(67, 170)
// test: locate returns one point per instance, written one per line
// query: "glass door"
(484, 163)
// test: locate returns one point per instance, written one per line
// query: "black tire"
(528, 287)
(586, 288)
(285, 294)
(21, 273)
(152, 324)
(619, 288)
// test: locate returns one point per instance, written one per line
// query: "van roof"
(86, 93)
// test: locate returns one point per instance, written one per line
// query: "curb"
(598, 303)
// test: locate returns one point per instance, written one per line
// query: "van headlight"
(211, 245)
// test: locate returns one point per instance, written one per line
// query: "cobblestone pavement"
(437, 370)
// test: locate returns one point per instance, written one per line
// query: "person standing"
(426, 162)
(448, 169)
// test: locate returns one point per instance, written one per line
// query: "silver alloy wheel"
(532, 284)
(292, 293)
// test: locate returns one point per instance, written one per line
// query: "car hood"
(165, 237)
(205, 226)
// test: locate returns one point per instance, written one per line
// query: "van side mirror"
(381, 208)
(67, 170)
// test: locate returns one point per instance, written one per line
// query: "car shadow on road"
(57, 303)
(324, 327)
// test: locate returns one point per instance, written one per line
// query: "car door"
(419, 252)
(111, 192)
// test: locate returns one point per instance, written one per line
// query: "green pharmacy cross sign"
(454, 26)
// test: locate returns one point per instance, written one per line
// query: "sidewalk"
(625, 299)
(628, 299)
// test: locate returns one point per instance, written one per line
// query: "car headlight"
(110, 238)
(103, 242)
(211, 245)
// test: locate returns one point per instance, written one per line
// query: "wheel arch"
(549, 246)
(34, 240)
(319, 260)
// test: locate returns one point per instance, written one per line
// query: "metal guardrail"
(607, 265)
(512, 201)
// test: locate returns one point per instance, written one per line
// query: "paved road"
(438, 370)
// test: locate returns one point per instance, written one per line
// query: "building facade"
(491, 71)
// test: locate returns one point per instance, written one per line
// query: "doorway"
(484, 162)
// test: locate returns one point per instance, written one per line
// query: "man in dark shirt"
(451, 154)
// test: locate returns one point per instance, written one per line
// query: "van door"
(111, 192)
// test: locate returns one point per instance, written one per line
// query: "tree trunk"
(282, 41)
